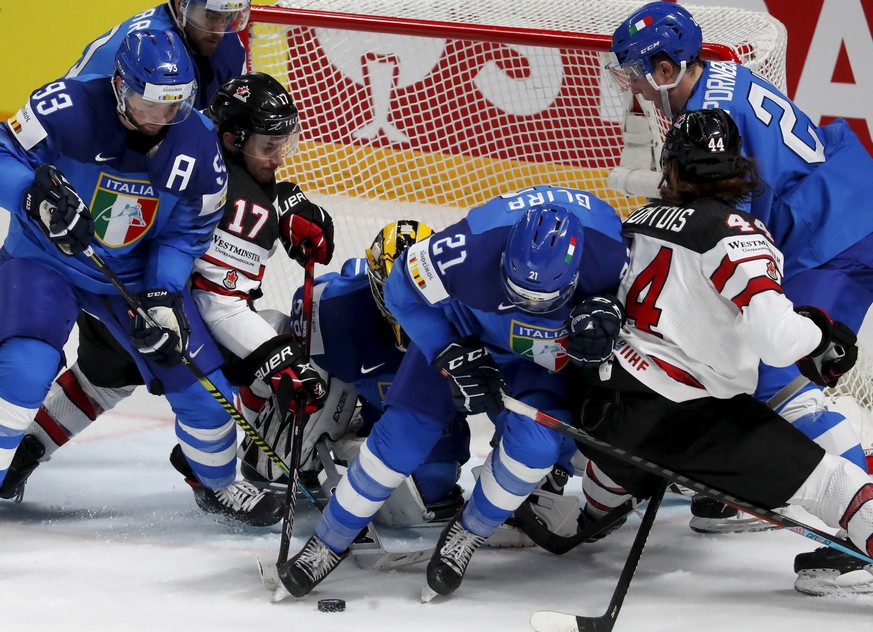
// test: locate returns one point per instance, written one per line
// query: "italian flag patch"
(640, 25)
(570, 250)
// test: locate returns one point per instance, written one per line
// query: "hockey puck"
(331, 605)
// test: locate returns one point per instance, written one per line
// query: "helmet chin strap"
(664, 90)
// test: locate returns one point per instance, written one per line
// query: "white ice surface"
(109, 538)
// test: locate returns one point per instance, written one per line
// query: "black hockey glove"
(60, 212)
(165, 338)
(306, 229)
(280, 363)
(594, 326)
(476, 382)
(835, 354)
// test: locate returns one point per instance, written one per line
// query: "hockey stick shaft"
(299, 420)
(136, 305)
(768, 515)
(605, 622)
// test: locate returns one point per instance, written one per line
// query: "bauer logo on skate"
(124, 210)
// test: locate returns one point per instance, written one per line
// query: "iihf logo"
(230, 280)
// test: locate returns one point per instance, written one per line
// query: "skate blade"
(269, 575)
(747, 525)
(428, 594)
(280, 594)
(830, 583)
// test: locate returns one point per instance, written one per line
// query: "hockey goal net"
(423, 110)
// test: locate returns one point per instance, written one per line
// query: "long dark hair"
(732, 191)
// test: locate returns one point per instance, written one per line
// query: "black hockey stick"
(134, 303)
(769, 515)
(295, 434)
(547, 621)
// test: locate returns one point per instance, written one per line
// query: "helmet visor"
(625, 75)
(217, 16)
(534, 301)
(158, 104)
(263, 146)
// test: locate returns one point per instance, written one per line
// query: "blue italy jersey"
(154, 206)
(448, 286)
(226, 62)
(351, 339)
(815, 199)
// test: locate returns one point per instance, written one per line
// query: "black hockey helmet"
(253, 103)
(705, 145)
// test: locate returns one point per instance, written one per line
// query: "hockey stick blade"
(269, 575)
(551, 621)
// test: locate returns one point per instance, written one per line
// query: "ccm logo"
(650, 47)
(467, 358)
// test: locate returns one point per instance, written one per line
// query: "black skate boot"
(240, 501)
(446, 568)
(304, 571)
(712, 516)
(25, 461)
(827, 571)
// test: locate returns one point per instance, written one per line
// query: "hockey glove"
(835, 354)
(594, 326)
(281, 360)
(164, 338)
(60, 212)
(475, 381)
(306, 229)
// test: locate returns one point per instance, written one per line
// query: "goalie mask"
(212, 16)
(540, 266)
(389, 244)
(260, 114)
(154, 80)
(705, 144)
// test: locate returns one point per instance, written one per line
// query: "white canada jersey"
(704, 302)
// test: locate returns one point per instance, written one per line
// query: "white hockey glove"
(59, 211)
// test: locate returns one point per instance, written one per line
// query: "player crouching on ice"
(485, 303)
(704, 307)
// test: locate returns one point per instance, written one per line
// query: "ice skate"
(25, 461)
(711, 516)
(827, 571)
(446, 568)
(240, 501)
(304, 571)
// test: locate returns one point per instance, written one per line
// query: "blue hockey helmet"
(657, 27)
(540, 266)
(654, 28)
(154, 80)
